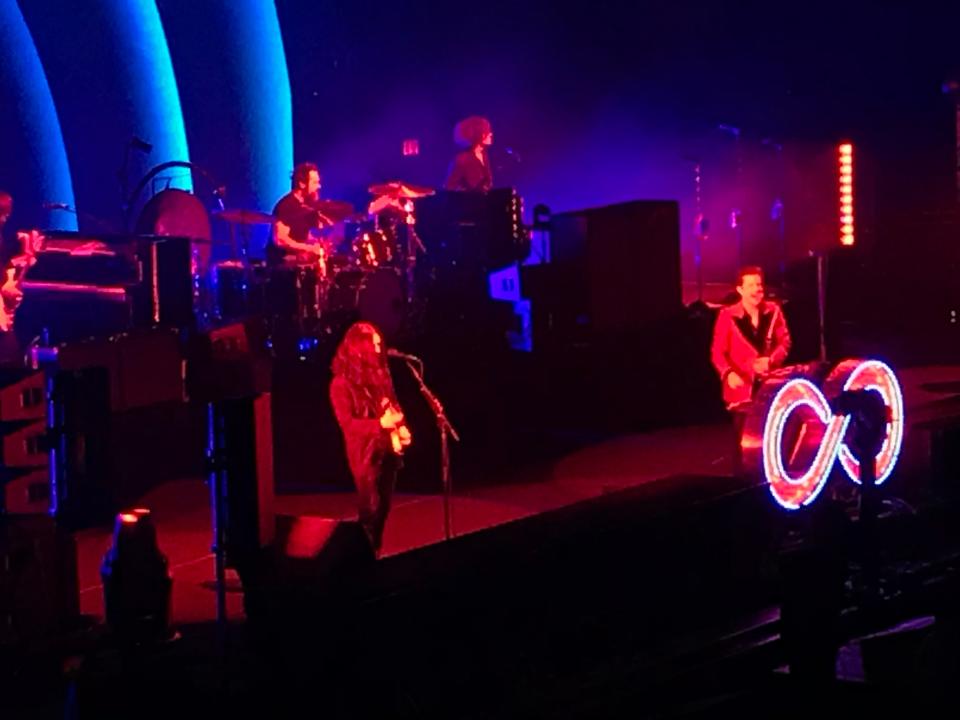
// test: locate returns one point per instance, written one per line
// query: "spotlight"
(136, 581)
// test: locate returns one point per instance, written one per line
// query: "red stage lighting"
(845, 166)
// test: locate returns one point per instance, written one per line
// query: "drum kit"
(363, 268)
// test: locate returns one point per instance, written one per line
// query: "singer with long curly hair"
(371, 420)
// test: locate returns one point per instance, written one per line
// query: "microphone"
(55, 206)
(397, 354)
(141, 145)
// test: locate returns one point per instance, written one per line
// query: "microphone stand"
(700, 230)
(445, 428)
(736, 213)
(415, 247)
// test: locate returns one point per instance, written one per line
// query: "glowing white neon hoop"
(795, 492)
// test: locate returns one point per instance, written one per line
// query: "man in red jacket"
(749, 340)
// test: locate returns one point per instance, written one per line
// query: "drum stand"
(240, 247)
(415, 247)
(446, 429)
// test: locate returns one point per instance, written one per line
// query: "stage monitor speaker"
(322, 547)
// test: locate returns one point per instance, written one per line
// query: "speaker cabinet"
(614, 270)
(321, 547)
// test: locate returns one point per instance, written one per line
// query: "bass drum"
(177, 213)
(375, 296)
(295, 291)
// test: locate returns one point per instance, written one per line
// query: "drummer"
(295, 216)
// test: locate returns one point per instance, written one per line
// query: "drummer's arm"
(281, 238)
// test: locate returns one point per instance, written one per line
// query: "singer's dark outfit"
(372, 461)
(468, 173)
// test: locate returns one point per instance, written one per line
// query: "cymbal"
(399, 189)
(244, 217)
(336, 210)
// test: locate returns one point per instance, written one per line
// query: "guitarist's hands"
(10, 297)
(391, 418)
(32, 242)
(11, 293)
(734, 380)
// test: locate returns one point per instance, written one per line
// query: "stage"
(661, 462)
(181, 509)
(632, 571)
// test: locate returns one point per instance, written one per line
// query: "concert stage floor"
(659, 460)
(632, 572)
(181, 508)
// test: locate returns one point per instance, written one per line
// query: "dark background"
(596, 104)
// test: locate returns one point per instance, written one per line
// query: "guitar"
(400, 436)
(11, 291)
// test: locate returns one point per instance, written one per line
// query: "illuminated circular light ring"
(875, 375)
(793, 493)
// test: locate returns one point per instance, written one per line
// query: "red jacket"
(736, 344)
